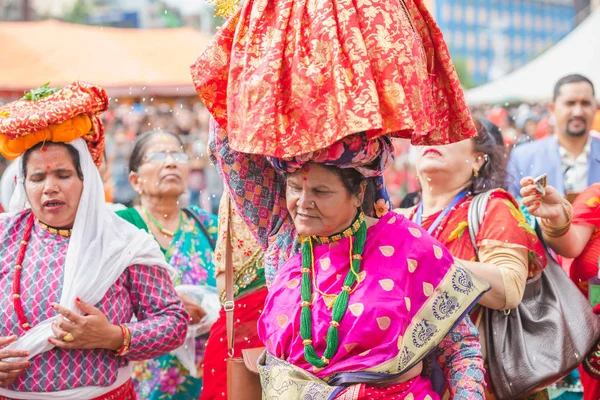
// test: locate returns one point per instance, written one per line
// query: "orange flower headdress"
(54, 115)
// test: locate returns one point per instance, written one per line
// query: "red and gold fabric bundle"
(290, 77)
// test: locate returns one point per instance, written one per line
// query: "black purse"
(542, 340)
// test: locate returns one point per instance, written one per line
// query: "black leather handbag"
(545, 337)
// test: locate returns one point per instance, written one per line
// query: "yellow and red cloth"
(69, 113)
(289, 77)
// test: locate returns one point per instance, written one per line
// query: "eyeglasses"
(161, 156)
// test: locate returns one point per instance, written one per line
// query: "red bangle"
(124, 349)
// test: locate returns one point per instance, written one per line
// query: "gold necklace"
(61, 232)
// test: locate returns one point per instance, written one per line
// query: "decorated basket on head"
(50, 114)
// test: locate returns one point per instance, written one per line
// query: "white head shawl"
(101, 247)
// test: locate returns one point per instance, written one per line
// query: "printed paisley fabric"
(369, 157)
(288, 77)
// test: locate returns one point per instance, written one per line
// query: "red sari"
(507, 228)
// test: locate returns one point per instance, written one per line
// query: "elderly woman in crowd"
(303, 136)
(351, 297)
(159, 170)
(74, 274)
(508, 251)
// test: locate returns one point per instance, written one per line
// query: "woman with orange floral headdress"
(73, 273)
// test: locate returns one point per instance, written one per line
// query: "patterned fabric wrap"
(508, 228)
(282, 380)
(141, 291)
(409, 297)
(191, 256)
(48, 119)
(288, 77)
(369, 157)
(586, 210)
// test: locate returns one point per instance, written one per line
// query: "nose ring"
(313, 203)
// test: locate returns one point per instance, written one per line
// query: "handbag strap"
(191, 213)
(229, 303)
(475, 215)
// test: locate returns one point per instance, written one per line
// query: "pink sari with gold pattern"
(410, 295)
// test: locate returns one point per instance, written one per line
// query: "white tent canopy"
(578, 52)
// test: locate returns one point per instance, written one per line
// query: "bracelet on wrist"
(557, 231)
(124, 349)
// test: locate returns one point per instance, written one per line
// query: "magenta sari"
(411, 294)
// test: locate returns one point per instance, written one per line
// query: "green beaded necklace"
(159, 226)
(358, 231)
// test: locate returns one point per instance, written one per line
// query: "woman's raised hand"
(549, 206)
(89, 331)
(11, 370)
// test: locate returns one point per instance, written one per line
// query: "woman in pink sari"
(358, 307)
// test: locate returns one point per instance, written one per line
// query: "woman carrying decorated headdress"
(353, 300)
(74, 274)
(306, 96)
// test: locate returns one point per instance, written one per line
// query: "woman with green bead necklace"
(158, 172)
(358, 307)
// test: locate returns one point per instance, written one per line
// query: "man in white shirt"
(571, 157)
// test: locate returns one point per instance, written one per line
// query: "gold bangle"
(557, 231)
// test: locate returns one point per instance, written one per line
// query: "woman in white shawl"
(73, 274)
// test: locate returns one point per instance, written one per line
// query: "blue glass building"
(493, 37)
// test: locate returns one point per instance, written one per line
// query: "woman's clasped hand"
(89, 331)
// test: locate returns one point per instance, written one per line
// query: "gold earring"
(140, 192)
(475, 172)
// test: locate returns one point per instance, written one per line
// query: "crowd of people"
(160, 251)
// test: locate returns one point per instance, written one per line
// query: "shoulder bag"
(545, 337)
